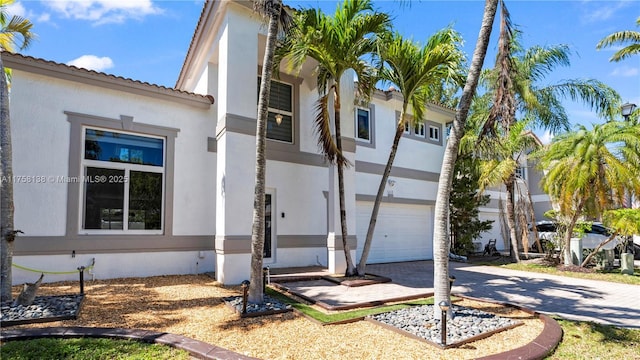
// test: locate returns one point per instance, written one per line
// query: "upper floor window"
(520, 173)
(434, 133)
(123, 179)
(363, 125)
(448, 129)
(280, 115)
(419, 129)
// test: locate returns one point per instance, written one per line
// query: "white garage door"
(403, 232)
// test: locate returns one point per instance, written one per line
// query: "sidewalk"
(571, 298)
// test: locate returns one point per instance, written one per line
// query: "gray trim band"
(352, 241)
(276, 151)
(233, 244)
(212, 144)
(378, 169)
(104, 244)
(395, 200)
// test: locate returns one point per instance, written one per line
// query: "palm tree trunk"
(511, 219)
(440, 237)
(256, 294)
(7, 235)
(351, 270)
(595, 251)
(376, 204)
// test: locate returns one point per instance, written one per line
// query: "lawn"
(586, 340)
(602, 275)
(89, 349)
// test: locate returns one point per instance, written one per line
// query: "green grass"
(344, 315)
(586, 340)
(610, 275)
(88, 349)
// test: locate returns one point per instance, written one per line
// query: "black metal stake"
(265, 270)
(444, 307)
(245, 294)
(81, 272)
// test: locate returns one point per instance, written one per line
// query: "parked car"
(590, 240)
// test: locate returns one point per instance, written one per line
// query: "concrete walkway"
(571, 298)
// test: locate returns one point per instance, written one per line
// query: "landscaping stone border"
(197, 349)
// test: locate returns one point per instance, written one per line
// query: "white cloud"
(16, 9)
(104, 11)
(92, 62)
(603, 12)
(546, 137)
(44, 17)
(625, 71)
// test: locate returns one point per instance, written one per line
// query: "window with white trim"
(520, 173)
(448, 128)
(434, 133)
(363, 125)
(280, 111)
(419, 129)
(123, 182)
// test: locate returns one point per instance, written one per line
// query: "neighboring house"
(149, 180)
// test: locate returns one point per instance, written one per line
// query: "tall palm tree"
(414, 71)
(514, 90)
(589, 171)
(338, 43)
(622, 38)
(441, 239)
(278, 19)
(14, 32)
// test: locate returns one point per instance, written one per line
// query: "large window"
(123, 181)
(280, 115)
(363, 125)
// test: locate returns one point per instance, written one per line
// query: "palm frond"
(322, 125)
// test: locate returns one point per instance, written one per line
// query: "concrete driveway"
(571, 298)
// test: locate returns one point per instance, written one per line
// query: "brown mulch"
(192, 306)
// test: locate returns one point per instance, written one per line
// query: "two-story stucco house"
(149, 180)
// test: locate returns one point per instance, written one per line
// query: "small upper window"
(280, 115)
(520, 173)
(419, 129)
(434, 133)
(448, 129)
(363, 125)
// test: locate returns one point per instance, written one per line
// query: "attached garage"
(404, 232)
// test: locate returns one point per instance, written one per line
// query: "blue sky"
(147, 40)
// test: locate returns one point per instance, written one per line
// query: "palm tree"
(441, 238)
(15, 32)
(337, 43)
(621, 38)
(513, 89)
(414, 71)
(278, 18)
(590, 171)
